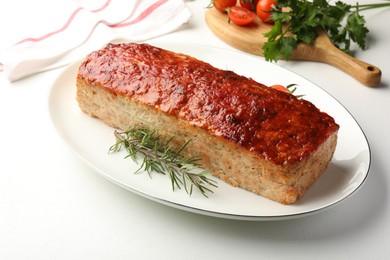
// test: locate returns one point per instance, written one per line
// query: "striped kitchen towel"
(56, 33)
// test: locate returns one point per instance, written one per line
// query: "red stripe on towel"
(66, 25)
(142, 16)
(107, 3)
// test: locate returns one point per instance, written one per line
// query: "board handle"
(326, 52)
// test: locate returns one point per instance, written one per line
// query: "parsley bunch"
(303, 19)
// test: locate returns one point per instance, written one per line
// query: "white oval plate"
(90, 139)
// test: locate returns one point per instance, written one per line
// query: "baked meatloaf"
(252, 136)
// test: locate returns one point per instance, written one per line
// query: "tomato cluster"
(244, 12)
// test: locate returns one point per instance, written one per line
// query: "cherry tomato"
(263, 10)
(280, 88)
(240, 15)
(249, 4)
(221, 5)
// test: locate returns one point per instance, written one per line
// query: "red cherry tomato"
(221, 5)
(263, 10)
(280, 88)
(249, 4)
(241, 16)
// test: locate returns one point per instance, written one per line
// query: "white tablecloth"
(53, 206)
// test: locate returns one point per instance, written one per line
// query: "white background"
(52, 206)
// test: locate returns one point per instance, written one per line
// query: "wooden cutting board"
(251, 39)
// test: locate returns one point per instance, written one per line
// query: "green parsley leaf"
(304, 19)
(356, 29)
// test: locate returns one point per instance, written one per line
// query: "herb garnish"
(304, 19)
(162, 156)
(292, 88)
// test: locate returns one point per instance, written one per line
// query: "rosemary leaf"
(162, 156)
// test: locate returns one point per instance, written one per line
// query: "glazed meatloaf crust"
(252, 136)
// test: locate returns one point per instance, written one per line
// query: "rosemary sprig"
(160, 155)
(292, 88)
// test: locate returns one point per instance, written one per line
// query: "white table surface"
(52, 206)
